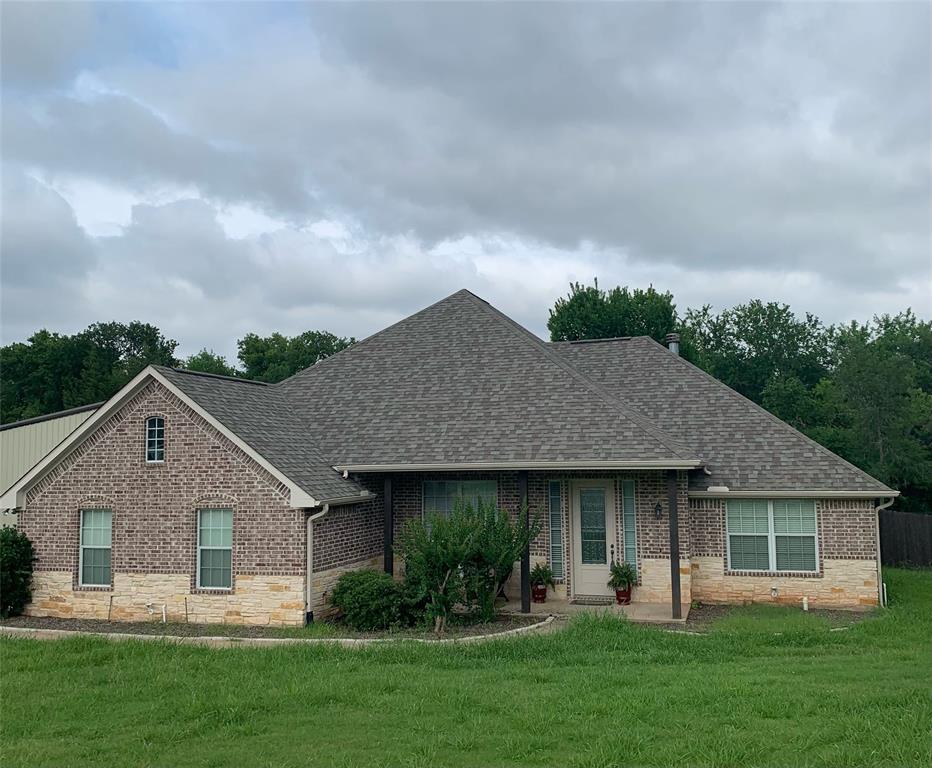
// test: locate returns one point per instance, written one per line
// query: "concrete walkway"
(647, 613)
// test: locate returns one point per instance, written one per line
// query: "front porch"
(589, 520)
(642, 613)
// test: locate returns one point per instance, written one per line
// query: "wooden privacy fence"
(905, 538)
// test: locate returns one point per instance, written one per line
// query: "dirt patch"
(322, 630)
(702, 616)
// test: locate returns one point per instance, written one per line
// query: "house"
(230, 500)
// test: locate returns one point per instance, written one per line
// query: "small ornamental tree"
(463, 559)
(434, 552)
(497, 545)
(16, 560)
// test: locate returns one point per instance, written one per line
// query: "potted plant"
(623, 577)
(541, 578)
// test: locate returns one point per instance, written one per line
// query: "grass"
(601, 693)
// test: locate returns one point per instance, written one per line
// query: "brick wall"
(847, 566)
(154, 508)
(350, 533)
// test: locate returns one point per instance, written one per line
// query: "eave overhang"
(479, 466)
(792, 494)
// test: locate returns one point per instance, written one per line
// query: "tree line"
(52, 371)
(864, 390)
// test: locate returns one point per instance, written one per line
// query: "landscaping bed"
(459, 627)
(763, 618)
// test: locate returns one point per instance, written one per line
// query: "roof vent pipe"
(673, 342)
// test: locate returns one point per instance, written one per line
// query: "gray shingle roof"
(745, 447)
(460, 383)
(260, 415)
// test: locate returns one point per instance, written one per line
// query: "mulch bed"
(455, 629)
(701, 617)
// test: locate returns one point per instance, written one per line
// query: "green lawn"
(772, 687)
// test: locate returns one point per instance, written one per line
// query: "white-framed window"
(96, 547)
(441, 496)
(555, 512)
(155, 439)
(215, 548)
(772, 535)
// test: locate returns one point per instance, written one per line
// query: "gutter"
(881, 590)
(725, 493)
(308, 592)
(498, 465)
(337, 500)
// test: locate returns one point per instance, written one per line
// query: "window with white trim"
(96, 542)
(215, 548)
(155, 439)
(442, 496)
(555, 509)
(772, 535)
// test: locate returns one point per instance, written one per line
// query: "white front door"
(593, 529)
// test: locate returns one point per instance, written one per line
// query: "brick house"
(222, 499)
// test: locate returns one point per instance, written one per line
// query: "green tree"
(588, 312)
(874, 406)
(276, 357)
(750, 344)
(877, 406)
(53, 371)
(208, 361)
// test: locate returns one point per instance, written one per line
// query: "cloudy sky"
(226, 168)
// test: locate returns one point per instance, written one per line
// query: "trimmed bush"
(368, 600)
(16, 560)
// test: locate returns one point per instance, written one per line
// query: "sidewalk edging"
(220, 641)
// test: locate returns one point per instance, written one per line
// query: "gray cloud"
(42, 43)
(712, 134)
(116, 138)
(721, 150)
(45, 255)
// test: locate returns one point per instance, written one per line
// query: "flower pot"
(539, 593)
(623, 596)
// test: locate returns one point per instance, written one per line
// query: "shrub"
(463, 558)
(434, 552)
(368, 600)
(16, 560)
(497, 545)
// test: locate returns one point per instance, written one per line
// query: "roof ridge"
(211, 375)
(592, 341)
(682, 451)
(370, 337)
(734, 394)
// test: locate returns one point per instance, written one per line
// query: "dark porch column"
(388, 534)
(526, 555)
(674, 543)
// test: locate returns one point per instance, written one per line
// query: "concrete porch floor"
(647, 613)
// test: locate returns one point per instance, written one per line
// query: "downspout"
(881, 592)
(308, 613)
